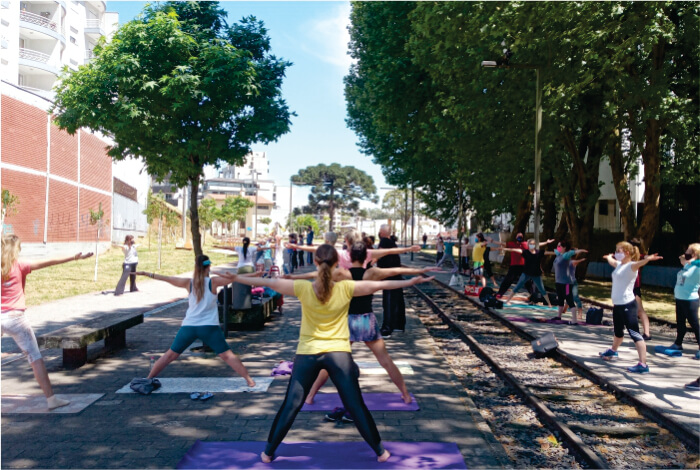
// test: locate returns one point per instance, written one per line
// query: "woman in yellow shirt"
(324, 344)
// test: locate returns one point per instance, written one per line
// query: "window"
(73, 41)
(73, 30)
(603, 207)
(73, 62)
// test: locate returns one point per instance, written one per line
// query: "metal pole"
(255, 182)
(290, 202)
(404, 224)
(538, 155)
(413, 214)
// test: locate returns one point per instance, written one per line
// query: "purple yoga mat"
(374, 402)
(322, 455)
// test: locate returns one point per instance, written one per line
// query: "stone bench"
(253, 317)
(74, 339)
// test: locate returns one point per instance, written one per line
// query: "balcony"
(94, 27)
(48, 94)
(89, 55)
(35, 59)
(42, 25)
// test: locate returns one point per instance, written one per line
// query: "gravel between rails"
(574, 400)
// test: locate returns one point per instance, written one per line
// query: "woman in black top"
(362, 321)
(532, 269)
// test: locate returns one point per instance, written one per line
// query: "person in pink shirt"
(14, 323)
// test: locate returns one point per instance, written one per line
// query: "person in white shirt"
(131, 259)
(626, 263)
(201, 319)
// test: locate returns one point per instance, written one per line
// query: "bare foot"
(384, 457)
(309, 401)
(407, 398)
(55, 402)
(265, 458)
(251, 382)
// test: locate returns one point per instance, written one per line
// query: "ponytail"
(326, 257)
(200, 265)
(246, 244)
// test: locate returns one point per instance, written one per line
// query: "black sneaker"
(346, 418)
(386, 333)
(335, 415)
(646, 337)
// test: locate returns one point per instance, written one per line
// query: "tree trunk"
(622, 186)
(97, 252)
(331, 210)
(194, 216)
(652, 183)
(549, 205)
(522, 215)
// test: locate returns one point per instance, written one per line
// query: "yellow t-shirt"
(324, 327)
(478, 252)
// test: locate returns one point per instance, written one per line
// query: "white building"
(40, 37)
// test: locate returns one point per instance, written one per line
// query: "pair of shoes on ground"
(339, 415)
(640, 368)
(201, 396)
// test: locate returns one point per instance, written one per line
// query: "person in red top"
(14, 322)
(517, 263)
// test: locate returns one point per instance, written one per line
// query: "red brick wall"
(28, 222)
(23, 134)
(64, 154)
(24, 143)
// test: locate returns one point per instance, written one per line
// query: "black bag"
(144, 386)
(594, 316)
(545, 345)
(537, 298)
(485, 293)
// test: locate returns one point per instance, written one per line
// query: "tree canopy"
(181, 89)
(336, 187)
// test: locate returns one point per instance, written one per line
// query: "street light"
(503, 64)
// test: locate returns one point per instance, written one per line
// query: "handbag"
(594, 316)
(545, 345)
(145, 386)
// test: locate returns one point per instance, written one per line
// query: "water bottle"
(153, 361)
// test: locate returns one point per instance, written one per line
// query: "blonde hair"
(351, 236)
(326, 256)
(630, 249)
(695, 248)
(11, 246)
(198, 279)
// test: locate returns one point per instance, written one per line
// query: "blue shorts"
(211, 335)
(363, 327)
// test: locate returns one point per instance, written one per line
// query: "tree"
(9, 205)
(180, 89)
(335, 187)
(394, 202)
(208, 213)
(266, 221)
(234, 209)
(301, 222)
(97, 219)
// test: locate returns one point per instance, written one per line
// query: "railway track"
(535, 406)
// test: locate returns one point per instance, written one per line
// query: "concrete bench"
(253, 317)
(75, 339)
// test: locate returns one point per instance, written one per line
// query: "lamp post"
(503, 64)
(254, 174)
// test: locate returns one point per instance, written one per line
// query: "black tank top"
(363, 304)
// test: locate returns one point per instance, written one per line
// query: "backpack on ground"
(545, 345)
(487, 296)
(594, 316)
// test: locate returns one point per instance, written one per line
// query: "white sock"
(55, 402)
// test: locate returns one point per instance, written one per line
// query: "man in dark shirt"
(309, 242)
(394, 318)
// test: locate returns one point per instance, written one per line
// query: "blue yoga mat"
(667, 351)
(323, 455)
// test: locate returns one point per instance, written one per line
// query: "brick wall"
(23, 172)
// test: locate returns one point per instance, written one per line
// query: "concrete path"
(134, 431)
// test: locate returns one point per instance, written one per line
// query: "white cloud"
(328, 38)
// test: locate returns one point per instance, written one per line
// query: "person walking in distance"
(14, 322)
(310, 242)
(425, 240)
(439, 249)
(201, 318)
(625, 262)
(131, 259)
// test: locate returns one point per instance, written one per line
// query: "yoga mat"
(374, 368)
(207, 384)
(374, 401)
(534, 307)
(37, 403)
(323, 455)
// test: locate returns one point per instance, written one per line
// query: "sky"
(313, 36)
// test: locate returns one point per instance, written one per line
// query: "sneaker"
(400, 330)
(697, 355)
(335, 415)
(646, 337)
(639, 369)
(675, 347)
(386, 333)
(346, 418)
(694, 385)
(608, 355)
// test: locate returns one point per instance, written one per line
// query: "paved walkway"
(662, 388)
(133, 431)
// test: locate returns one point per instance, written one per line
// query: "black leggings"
(687, 310)
(625, 316)
(564, 292)
(344, 373)
(513, 274)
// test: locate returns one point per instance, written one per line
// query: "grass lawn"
(658, 302)
(75, 278)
